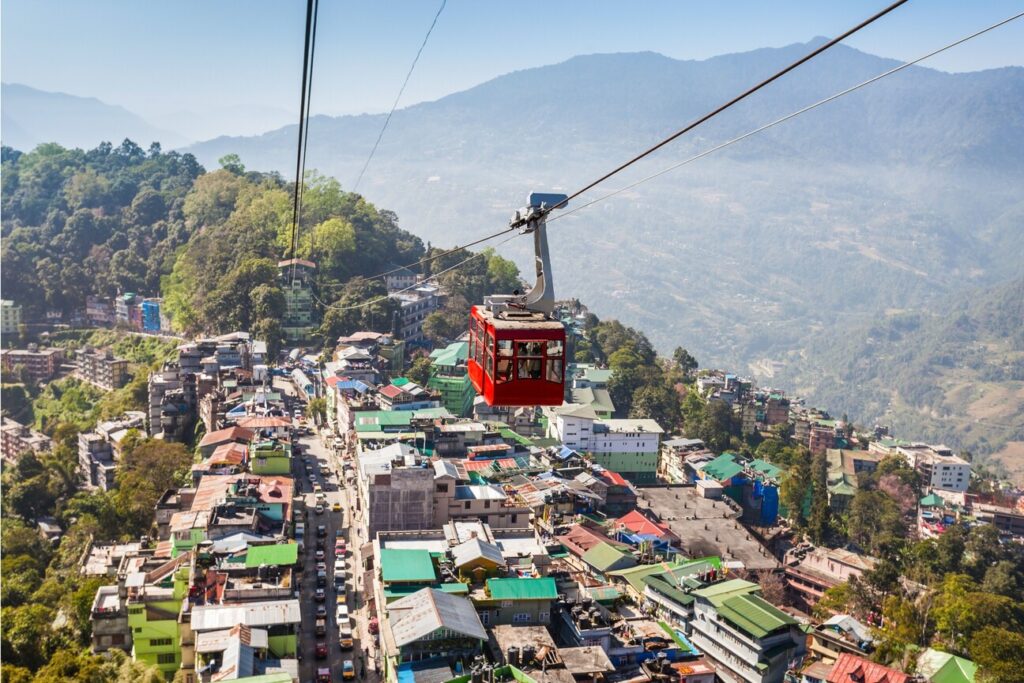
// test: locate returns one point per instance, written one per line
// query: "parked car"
(345, 638)
(319, 509)
(321, 649)
(321, 612)
(321, 627)
(320, 595)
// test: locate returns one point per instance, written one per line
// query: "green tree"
(901, 629)
(316, 409)
(419, 371)
(232, 163)
(999, 654)
(1002, 578)
(440, 327)
(793, 491)
(27, 637)
(659, 403)
(873, 520)
(686, 362)
(145, 473)
(820, 518)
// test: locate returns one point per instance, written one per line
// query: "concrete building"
(17, 438)
(396, 489)
(10, 317)
(153, 319)
(629, 447)
(572, 425)
(449, 376)
(938, 466)
(299, 321)
(99, 311)
(40, 364)
(515, 601)
(99, 367)
(810, 573)
(416, 305)
(747, 639)
(673, 459)
(99, 451)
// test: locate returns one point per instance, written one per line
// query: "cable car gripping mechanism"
(533, 219)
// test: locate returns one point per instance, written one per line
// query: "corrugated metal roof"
(754, 615)
(272, 555)
(543, 588)
(213, 617)
(420, 614)
(722, 468)
(849, 668)
(406, 565)
(604, 557)
(474, 549)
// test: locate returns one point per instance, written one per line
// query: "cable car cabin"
(516, 357)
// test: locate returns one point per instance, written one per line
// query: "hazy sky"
(158, 58)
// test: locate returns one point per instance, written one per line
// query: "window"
(485, 617)
(521, 618)
(515, 518)
(159, 642)
(506, 603)
(442, 488)
(467, 504)
(487, 505)
(137, 629)
(544, 617)
(504, 367)
(166, 658)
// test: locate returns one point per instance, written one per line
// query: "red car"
(321, 650)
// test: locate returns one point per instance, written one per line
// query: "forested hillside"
(953, 373)
(79, 224)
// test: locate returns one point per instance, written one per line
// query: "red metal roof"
(580, 539)
(638, 523)
(227, 435)
(853, 669)
(229, 453)
(611, 477)
(332, 380)
(391, 391)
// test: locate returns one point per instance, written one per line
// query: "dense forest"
(109, 220)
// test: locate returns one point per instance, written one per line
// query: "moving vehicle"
(336, 506)
(321, 650)
(321, 627)
(323, 675)
(516, 348)
(321, 612)
(319, 509)
(348, 670)
(321, 530)
(321, 579)
(320, 595)
(345, 638)
(320, 556)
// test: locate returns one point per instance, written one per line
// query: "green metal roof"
(451, 355)
(597, 375)
(523, 589)
(662, 584)
(604, 557)
(718, 593)
(635, 575)
(509, 435)
(766, 468)
(400, 381)
(680, 643)
(932, 500)
(407, 566)
(272, 555)
(943, 667)
(604, 593)
(753, 615)
(722, 468)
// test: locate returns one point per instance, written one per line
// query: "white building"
(939, 468)
(572, 424)
(747, 639)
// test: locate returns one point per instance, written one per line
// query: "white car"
(342, 615)
(339, 564)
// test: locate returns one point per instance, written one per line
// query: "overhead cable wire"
(302, 128)
(384, 297)
(434, 257)
(787, 117)
(398, 97)
(696, 157)
(305, 140)
(742, 96)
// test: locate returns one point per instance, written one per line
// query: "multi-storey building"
(449, 376)
(938, 467)
(10, 317)
(153, 319)
(810, 573)
(99, 451)
(296, 277)
(40, 364)
(416, 305)
(99, 367)
(17, 438)
(748, 639)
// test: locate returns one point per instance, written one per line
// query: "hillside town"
(357, 511)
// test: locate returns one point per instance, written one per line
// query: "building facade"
(99, 367)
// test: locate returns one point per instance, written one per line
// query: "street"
(309, 463)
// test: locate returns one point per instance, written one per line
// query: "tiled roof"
(610, 477)
(852, 669)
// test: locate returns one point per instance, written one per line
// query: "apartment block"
(100, 367)
(40, 364)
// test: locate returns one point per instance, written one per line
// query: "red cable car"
(516, 349)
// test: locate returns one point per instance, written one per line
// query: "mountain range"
(902, 196)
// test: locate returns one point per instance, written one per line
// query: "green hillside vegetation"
(953, 375)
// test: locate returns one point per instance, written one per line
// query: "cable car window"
(504, 347)
(489, 353)
(528, 348)
(529, 368)
(555, 348)
(490, 364)
(554, 370)
(504, 370)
